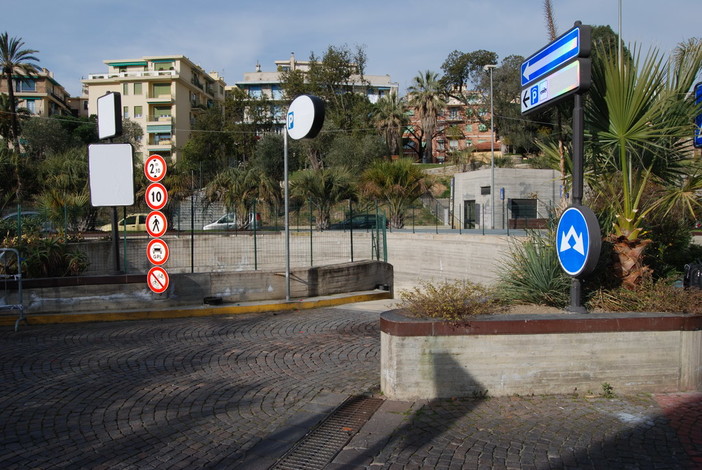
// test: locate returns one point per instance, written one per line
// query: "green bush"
(450, 300)
(46, 257)
(531, 273)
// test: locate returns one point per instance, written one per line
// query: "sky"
(400, 38)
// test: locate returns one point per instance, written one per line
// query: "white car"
(228, 222)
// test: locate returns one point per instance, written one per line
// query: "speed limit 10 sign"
(156, 196)
(155, 168)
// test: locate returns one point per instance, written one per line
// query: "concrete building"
(260, 84)
(523, 197)
(39, 94)
(163, 94)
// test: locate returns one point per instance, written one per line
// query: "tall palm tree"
(426, 98)
(15, 60)
(398, 183)
(639, 121)
(390, 119)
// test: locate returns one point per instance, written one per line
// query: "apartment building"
(260, 84)
(460, 126)
(163, 94)
(39, 94)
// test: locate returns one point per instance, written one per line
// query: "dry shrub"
(650, 296)
(450, 300)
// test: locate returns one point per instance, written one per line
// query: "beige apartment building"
(163, 94)
(39, 94)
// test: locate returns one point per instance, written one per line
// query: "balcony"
(135, 74)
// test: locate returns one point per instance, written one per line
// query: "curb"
(200, 311)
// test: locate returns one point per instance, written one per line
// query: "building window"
(162, 89)
(453, 113)
(125, 89)
(441, 145)
(523, 208)
(125, 112)
(30, 105)
(255, 91)
(25, 84)
(138, 111)
(482, 128)
(485, 190)
(168, 65)
(137, 88)
(453, 144)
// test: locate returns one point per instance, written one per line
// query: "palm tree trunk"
(628, 261)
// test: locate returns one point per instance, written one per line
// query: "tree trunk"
(628, 261)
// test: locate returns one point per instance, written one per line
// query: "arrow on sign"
(579, 245)
(550, 58)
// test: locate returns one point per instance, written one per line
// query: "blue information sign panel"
(578, 241)
(698, 119)
(573, 44)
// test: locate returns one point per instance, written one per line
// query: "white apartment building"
(268, 84)
(162, 94)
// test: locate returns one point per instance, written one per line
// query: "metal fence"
(193, 248)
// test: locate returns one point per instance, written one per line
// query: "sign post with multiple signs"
(156, 198)
(559, 70)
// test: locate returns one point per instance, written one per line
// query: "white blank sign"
(111, 175)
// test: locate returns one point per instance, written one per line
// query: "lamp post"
(489, 68)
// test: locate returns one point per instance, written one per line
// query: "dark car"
(360, 221)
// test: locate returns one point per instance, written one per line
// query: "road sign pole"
(576, 287)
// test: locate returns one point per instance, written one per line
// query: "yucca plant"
(531, 273)
(639, 120)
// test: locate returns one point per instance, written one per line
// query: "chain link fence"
(201, 237)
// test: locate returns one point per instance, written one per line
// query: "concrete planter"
(540, 354)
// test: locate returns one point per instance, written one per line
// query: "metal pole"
(578, 149)
(287, 214)
(492, 155)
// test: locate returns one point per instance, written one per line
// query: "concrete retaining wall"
(113, 293)
(540, 354)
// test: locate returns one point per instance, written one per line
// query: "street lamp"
(489, 68)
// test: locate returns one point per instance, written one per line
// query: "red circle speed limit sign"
(157, 252)
(157, 279)
(155, 168)
(156, 224)
(156, 196)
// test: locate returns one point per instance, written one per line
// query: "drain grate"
(320, 446)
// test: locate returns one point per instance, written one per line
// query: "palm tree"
(15, 60)
(639, 121)
(398, 183)
(426, 98)
(238, 189)
(390, 119)
(324, 188)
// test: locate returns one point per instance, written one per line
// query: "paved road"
(235, 392)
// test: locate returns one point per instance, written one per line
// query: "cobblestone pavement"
(209, 392)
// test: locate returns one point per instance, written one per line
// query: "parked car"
(30, 220)
(134, 223)
(360, 221)
(228, 222)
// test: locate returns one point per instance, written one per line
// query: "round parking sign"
(305, 117)
(156, 224)
(578, 241)
(157, 279)
(156, 196)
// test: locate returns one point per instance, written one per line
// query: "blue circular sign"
(578, 241)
